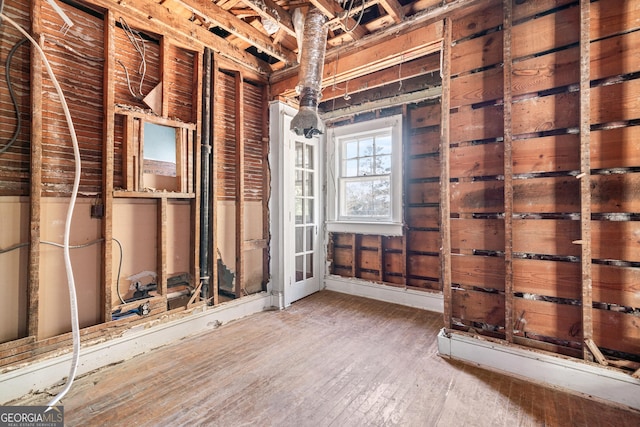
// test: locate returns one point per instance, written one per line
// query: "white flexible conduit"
(75, 329)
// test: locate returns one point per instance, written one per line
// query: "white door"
(304, 279)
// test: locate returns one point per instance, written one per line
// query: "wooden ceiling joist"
(218, 16)
(268, 9)
(332, 10)
(394, 9)
(153, 17)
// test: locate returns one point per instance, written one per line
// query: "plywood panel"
(549, 278)
(479, 124)
(477, 160)
(476, 53)
(545, 72)
(616, 285)
(476, 197)
(482, 271)
(548, 154)
(485, 234)
(546, 236)
(546, 113)
(545, 33)
(478, 307)
(543, 195)
(549, 319)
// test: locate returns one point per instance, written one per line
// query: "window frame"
(336, 141)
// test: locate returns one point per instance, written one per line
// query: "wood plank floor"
(328, 360)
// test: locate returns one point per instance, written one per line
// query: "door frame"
(282, 263)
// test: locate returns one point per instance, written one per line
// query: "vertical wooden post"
(406, 123)
(107, 161)
(164, 72)
(380, 259)
(508, 171)
(195, 179)
(36, 175)
(585, 175)
(355, 255)
(445, 203)
(215, 94)
(162, 245)
(266, 187)
(239, 184)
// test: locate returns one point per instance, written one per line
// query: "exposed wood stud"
(240, 165)
(585, 169)
(215, 94)
(37, 70)
(508, 170)
(445, 173)
(394, 9)
(595, 351)
(266, 188)
(380, 259)
(164, 73)
(162, 245)
(195, 181)
(107, 156)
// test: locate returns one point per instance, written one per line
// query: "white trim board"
(42, 375)
(431, 301)
(588, 379)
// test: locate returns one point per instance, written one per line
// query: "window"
(365, 177)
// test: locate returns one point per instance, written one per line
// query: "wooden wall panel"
(478, 271)
(549, 278)
(15, 161)
(615, 193)
(476, 53)
(423, 266)
(423, 241)
(423, 167)
(423, 217)
(546, 33)
(80, 74)
(546, 236)
(545, 195)
(546, 72)
(560, 321)
(426, 141)
(255, 162)
(616, 285)
(547, 154)
(483, 307)
(477, 197)
(476, 124)
(179, 83)
(615, 102)
(477, 87)
(614, 56)
(224, 136)
(612, 17)
(616, 331)
(616, 240)
(546, 113)
(423, 192)
(523, 9)
(485, 19)
(477, 160)
(615, 148)
(478, 234)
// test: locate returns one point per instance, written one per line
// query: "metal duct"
(314, 46)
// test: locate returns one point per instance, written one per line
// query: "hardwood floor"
(328, 360)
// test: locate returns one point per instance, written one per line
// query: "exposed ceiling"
(264, 28)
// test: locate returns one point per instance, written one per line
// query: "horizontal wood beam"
(393, 9)
(155, 18)
(268, 9)
(332, 10)
(417, 43)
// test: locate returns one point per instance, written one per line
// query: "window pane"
(299, 154)
(310, 233)
(299, 267)
(308, 184)
(383, 144)
(351, 168)
(299, 237)
(365, 166)
(299, 212)
(299, 189)
(383, 165)
(308, 217)
(365, 147)
(308, 157)
(309, 266)
(367, 198)
(351, 150)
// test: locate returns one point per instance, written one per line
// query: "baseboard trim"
(431, 301)
(591, 380)
(137, 340)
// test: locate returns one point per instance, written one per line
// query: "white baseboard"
(140, 339)
(431, 301)
(589, 379)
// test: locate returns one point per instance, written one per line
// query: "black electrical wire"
(13, 248)
(7, 72)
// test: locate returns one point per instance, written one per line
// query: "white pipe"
(75, 329)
